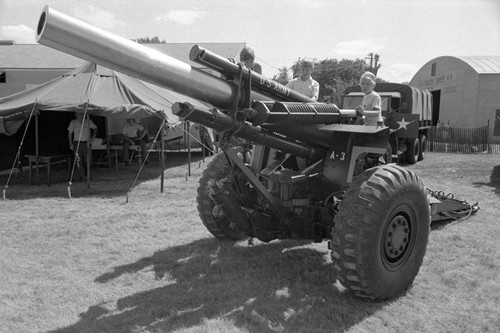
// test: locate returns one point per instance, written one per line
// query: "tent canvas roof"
(102, 91)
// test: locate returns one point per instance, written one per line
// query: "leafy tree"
(334, 76)
(149, 40)
(282, 76)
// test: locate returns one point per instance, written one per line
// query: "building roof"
(483, 64)
(36, 56)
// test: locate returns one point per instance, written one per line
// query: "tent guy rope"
(77, 161)
(18, 155)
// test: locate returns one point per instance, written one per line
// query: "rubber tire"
(221, 228)
(423, 146)
(413, 151)
(378, 198)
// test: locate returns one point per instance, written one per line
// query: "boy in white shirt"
(371, 108)
(305, 84)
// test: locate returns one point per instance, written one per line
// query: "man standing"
(133, 134)
(81, 133)
(305, 84)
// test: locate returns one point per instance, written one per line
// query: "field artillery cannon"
(302, 171)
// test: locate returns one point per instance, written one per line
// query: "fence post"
(488, 137)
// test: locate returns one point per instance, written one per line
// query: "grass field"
(97, 263)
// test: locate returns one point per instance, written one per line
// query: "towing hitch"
(446, 207)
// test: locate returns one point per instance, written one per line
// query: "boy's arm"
(363, 113)
(315, 90)
(376, 103)
(371, 112)
(257, 68)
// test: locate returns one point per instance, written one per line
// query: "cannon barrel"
(221, 122)
(259, 82)
(73, 36)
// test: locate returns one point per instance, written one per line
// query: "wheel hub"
(218, 212)
(397, 237)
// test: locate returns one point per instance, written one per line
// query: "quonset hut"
(466, 90)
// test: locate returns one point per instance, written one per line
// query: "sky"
(406, 34)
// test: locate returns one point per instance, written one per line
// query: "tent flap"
(11, 127)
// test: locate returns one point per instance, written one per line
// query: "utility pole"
(374, 68)
(370, 56)
(377, 65)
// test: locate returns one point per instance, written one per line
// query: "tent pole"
(188, 139)
(36, 149)
(89, 156)
(162, 156)
(89, 148)
(108, 142)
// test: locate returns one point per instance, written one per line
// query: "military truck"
(406, 110)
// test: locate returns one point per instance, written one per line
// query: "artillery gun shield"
(381, 232)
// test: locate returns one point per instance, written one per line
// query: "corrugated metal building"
(466, 90)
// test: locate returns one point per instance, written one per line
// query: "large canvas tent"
(89, 88)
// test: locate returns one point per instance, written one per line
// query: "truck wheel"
(381, 232)
(413, 151)
(212, 215)
(423, 146)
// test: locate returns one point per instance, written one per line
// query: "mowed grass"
(97, 263)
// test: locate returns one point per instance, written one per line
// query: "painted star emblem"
(403, 123)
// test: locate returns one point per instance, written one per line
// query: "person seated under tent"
(134, 133)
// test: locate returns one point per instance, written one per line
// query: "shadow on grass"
(439, 225)
(105, 182)
(494, 180)
(281, 286)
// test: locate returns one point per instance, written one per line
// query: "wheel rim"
(417, 148)
(423, 147)
(398, 237)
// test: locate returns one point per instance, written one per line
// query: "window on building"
(2, 77)
(433, 69)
